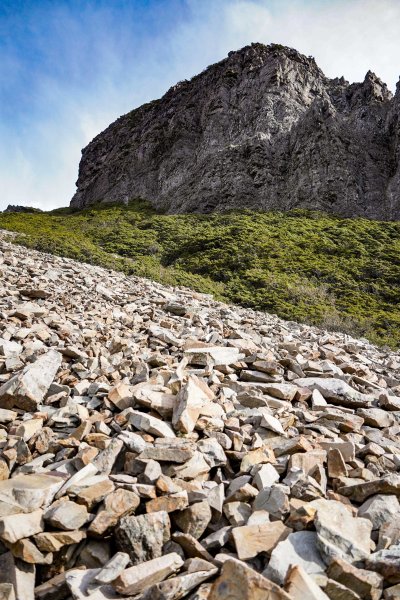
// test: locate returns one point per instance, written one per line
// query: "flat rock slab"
(150, 424)
(66, 515)
(139, 577)
(386, 563)
(17, 527)
(27, 389)
(250, 540)
(299, 548)
(300, 586)
(380, 509)
(339, 534)
(30, 491)
(177, 587)
(389, 484)
(336, 391)
(238, 581)
(18, 573)
(366, 584)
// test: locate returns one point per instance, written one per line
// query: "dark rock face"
(21, 209)
(262, 129)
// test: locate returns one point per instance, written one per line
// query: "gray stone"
(238, 581)
(27, 389)
(138, 578)
(339, 534)
(177, 587)
(236, 155)
(18, 573)
(112, 568)
(16, 527)
(66, 515)
(300, 548)
(143, 537)
(150, 424)
(273, 499)
(380, 509)
(336, 391)
(386, 563)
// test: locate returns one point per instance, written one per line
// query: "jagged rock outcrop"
(262, 129)
(11, 208)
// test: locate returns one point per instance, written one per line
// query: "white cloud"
(113, 71)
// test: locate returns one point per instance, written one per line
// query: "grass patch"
(342, 274)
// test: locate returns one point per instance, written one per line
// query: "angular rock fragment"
(191, 402)
(250, 540)
(299, 548)
(359, 492)
(216, 355)
(27, 389)
(238, 581)
(195, 519)
(29, 553)
(113, 568)
(386, 563)
(366, 584)
(177, 587)
(169, 450)
(339, 534)
(53, 541)
(143, 537)
(116, 505)
(19, 574)
(300, 585)
(380, 509)
(150, 424)
(336, 391)
(139, 577)
(66, 515)
(172, 503)
(376, 417)
(30, 491)
(192, 547)
(19, 526)
(337, 591)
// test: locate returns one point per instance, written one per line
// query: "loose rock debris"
(158, 445)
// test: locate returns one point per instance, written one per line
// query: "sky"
(68, 68)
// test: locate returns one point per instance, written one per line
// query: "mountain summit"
(262, 129)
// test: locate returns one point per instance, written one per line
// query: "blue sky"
(68, 68)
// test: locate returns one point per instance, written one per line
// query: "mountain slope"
(343, 274)
(262, 129)
(154, 440)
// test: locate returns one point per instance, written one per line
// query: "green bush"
(342, 274)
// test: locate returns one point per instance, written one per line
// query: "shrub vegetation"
(342, 274)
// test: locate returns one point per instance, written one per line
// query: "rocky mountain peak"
(265, 129)
(11, 208)
(376, 88)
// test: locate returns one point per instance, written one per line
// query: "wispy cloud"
(70, 68)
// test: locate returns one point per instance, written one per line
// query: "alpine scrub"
(342, 274)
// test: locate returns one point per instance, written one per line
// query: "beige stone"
(300, 586)
(139, 577)
(238, 581)
(250, 540)
(16, 527)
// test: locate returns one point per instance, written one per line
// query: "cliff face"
(262, 129)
